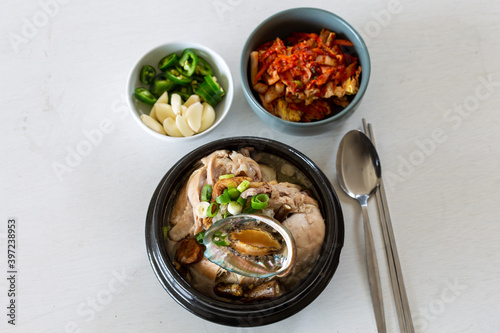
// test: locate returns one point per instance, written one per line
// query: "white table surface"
(81, 256)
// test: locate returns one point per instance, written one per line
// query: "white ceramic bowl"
(152, 57)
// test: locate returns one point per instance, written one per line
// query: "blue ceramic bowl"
(302, 20)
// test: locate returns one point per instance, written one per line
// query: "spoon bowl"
(359, 175)
(251, 245)
(358, 166)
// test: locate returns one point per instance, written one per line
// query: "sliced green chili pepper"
(214, 85)
(220, 239)
(174, 75)
(210, 92)
(148, 74)
(168, 61)
(259, 201)
(212, 209)
(194, 84)
(184, 91)
(205, 96)
(199, 78)
(224, 198)
(199, 237)
(188, 62)
(145, 96)
(206, 192)
(165, 232)
(203, 67)
(161, 84)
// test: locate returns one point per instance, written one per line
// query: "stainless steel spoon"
(359, 174)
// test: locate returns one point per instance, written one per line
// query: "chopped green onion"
(234, 208)
(226, 214)
(243, 185)
(224, 198)
(249, 210)
(259, 201)
(219, 239)
(242, 201)
(233, 192)
(201, 209)
(229, 175)
(165, 232)
(199, 237)
(206, 192)
(212, 209)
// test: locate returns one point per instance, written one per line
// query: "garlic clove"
(152, 124)
(164, 111)
(191, 100)
(163, 98)
(183, 126)
(176, 103)
(183, 111)
(207, 117)
(171, 127)
(152, 113)
(193, 116)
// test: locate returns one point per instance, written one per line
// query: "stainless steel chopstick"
(398, 287)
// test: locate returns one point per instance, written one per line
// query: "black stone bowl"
(253, 314)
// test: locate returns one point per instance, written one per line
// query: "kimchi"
(305, 77)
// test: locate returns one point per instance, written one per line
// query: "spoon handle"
(373, 273)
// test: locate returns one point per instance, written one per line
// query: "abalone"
(251, 245)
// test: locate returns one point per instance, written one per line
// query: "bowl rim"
(187, 44)
(365, 78)
(227, 313)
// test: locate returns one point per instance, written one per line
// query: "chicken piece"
(254, 190)
(181, 218)
(215, 164)
(244, 166)
(308, 230)
(194, 186)
(221, 162)
(207, 269)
